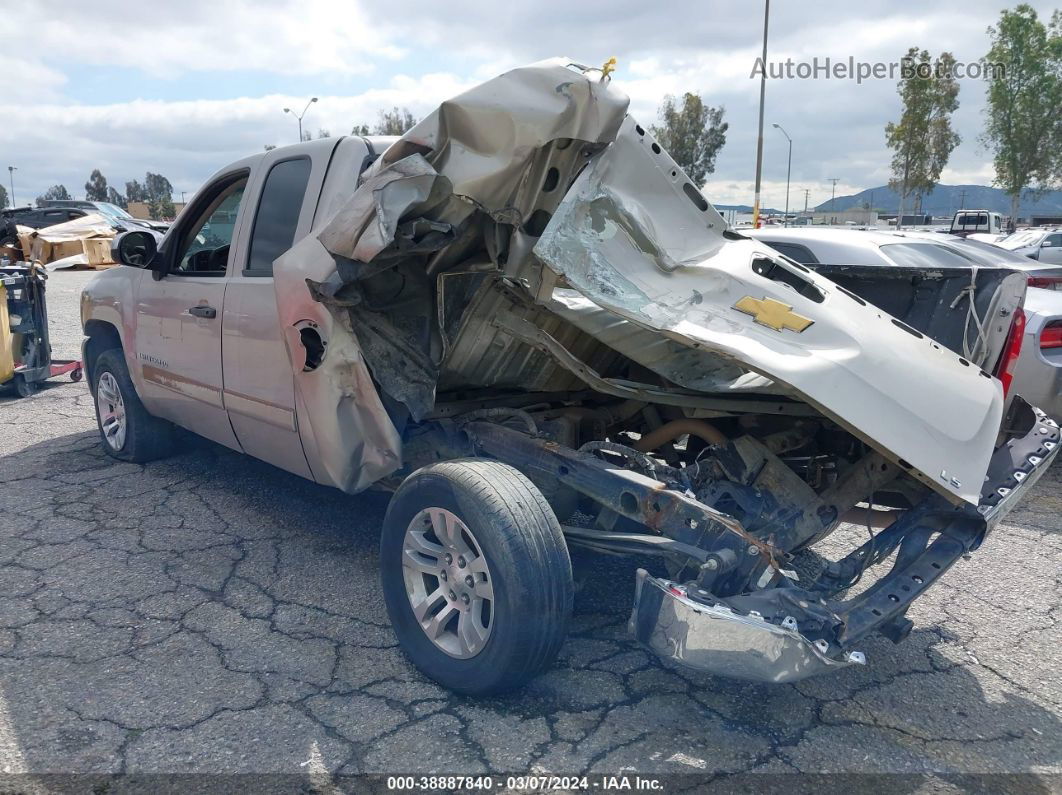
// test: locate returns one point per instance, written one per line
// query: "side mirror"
(136, 249)
(1046, 244)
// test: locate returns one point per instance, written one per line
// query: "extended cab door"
(259, 384)
(179, 316)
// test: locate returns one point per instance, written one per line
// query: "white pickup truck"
(978, 222)
(523, 319)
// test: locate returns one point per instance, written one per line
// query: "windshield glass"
(970, 220)
(925, 255)
(1020, 240)
(990, 254)
(113, 211)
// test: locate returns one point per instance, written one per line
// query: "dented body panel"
(940, 414)
(526, 276)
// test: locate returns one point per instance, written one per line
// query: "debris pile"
(83, 242)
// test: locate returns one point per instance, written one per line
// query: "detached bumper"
(717, 640)
(760, 636)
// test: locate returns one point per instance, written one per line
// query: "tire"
(143, 438)
(24, 388)
(517, 554)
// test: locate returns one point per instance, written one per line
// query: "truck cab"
(968, 222)
(203, 347)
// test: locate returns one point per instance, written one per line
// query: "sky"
(183, 88)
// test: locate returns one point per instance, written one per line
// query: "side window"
(1056, 240)
(278, 214)
(796, 252)
(204, 246)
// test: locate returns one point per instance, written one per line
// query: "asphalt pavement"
(209, 614)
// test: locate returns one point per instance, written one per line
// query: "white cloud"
(685, 45)
(168, 39)
(186, 140)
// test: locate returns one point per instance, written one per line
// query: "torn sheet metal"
(539, 166)
(458, 184)
(485, 139)
(633, 236)
(693, 368)
(339, 407)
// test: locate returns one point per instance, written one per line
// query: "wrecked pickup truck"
(525, 320)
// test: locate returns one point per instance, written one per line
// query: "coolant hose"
(669, 432)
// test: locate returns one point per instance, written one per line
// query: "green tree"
(96, 187)
(1023, 128)
(159, 196)
(3, 196)
(692, 133)
(923, 139)
(56, 192)
(323, 133)
(389, 122)
(114, 197)
(134, 192)
(270, 147)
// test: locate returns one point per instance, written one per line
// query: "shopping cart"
(25, 352)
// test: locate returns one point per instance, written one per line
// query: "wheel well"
(102, 336)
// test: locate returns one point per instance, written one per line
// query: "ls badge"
(773, 314)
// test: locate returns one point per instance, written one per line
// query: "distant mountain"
(946, 199)
(745, 208)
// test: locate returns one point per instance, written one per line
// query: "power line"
(833, 192)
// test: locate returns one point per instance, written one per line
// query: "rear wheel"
(128, 432)
(476, 575)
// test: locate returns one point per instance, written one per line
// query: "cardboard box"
(44, 251)
(98, 250)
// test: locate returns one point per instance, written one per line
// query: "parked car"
(830, 251)
(35, 217)
(541, 335)
(51, 213)
(108, 210)
(1038, 372)
(1041, 244)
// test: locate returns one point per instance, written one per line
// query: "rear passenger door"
(1051, 249)
(259, 385)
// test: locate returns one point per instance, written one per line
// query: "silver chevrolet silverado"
(523, 319)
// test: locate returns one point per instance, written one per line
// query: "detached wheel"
(128, 432)
(476, 575)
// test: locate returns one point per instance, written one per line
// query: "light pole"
(833, 195)
(788, 171)
(300, 115)
(759, 139)
(11, 174)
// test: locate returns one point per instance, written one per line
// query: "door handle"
(203, 311)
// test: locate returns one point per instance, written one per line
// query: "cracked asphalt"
(211, 614)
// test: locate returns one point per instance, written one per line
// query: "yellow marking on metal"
(773, 314)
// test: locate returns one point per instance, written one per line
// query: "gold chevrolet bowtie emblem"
(773, 314)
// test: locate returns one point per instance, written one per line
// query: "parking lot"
(211, 614)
